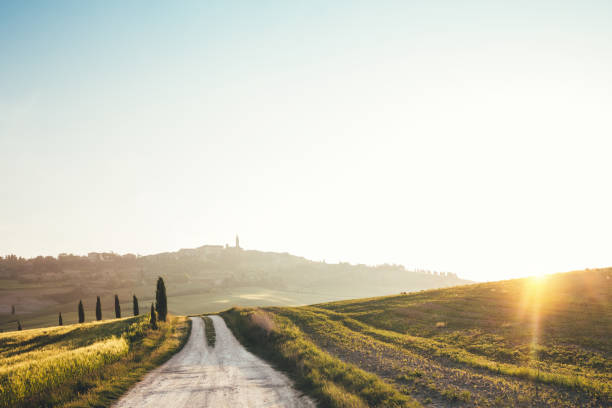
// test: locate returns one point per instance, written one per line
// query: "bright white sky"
(472, 137)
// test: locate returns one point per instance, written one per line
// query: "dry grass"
(82, 365)
(263, 320)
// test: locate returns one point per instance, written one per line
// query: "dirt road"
(224, 376)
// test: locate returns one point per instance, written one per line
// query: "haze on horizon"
(472, 137)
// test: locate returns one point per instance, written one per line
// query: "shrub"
(153, 320)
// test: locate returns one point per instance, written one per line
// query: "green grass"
(330, 381)
(83, 365)
(525, 342)
(188, 304)
(12, 284)
(433, 348)
(209, 329)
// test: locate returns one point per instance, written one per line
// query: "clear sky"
(465, 136)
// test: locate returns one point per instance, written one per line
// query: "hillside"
(544, 341)
(205, 279)
(88, 364)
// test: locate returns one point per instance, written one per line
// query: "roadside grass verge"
(330, 381)
(209, 330)
(86, 365)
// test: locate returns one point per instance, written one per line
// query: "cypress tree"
(98, 309)
(12, 309)
(135, 306)
(117, 307)
(61, 321)
(153, 320)
(161, 302)
(81, 312)
(19, 325)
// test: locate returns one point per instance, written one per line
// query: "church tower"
(237, 242)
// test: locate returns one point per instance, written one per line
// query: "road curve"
(224, 376)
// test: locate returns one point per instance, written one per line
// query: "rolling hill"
(543, 341)
(200, 280)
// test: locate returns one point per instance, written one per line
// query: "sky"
(472, 137)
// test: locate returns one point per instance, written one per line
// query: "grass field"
(209, 329)
(83, 365)
(544, 341)
(179, 305)
(199, 280)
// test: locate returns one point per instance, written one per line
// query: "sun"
(540, 276)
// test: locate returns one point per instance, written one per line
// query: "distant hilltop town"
(209, 269)
(48, 266)
(205, 250)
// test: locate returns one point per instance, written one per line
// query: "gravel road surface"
(224, 376)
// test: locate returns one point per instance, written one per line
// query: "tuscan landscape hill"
(536, 342)
(201, 280)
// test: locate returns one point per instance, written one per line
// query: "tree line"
(159, 311)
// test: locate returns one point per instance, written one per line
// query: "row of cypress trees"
(160, 311)
(81, 309)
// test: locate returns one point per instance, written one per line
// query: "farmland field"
(542, 341)
(207, 279)
(87, 364)
(179, 304)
